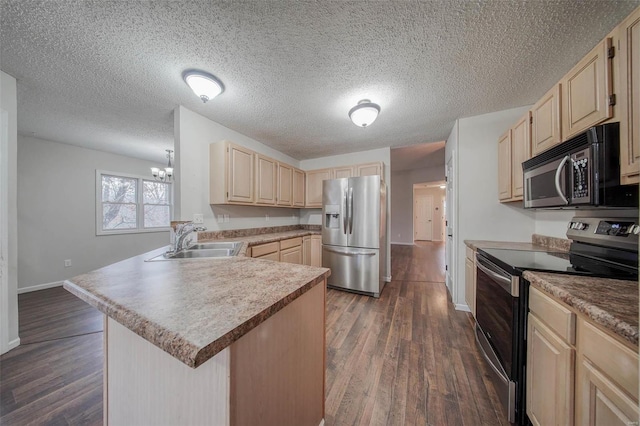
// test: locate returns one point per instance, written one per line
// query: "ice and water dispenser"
(331, 216)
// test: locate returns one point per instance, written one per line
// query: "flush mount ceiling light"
(364, 113)
(203, 84)
(166, 174)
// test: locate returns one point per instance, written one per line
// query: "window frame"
(139, 229)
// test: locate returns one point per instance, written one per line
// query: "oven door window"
(495, 314)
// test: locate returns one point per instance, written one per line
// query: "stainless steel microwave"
(584, 171)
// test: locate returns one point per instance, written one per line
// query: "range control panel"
(613, 232)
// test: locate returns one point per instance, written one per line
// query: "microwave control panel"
(580, 177)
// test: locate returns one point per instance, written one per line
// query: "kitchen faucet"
(183, 230)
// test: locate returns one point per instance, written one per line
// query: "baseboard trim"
(387, 279)
(321, 422)
(403, 244)
(13, 344)
(39, 287)
(462, 307)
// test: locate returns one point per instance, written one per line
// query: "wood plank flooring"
(407, 358)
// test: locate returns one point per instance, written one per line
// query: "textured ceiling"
(417, 156)
(107, 74)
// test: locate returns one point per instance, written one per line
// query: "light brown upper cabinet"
(520, 152)
(370, 169)
(629, 97)
(586, 91)
(546, 121)
(504, 166)
(298, 188)
(266, 186)
(314, 186)
(285, 185)
(343, 172)
(231, 174)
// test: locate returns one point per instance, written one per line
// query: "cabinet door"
(265, 185)
(550, 374)
(600, 401)
(343, 172)
(520, 152)
(292, 255)
(586, 90)
(240, 169)
(504, 166)
(298, 188)
(314, 186)
(470, 285)
(306, 250)
(546, 121)
(285, 185)
(316, 250)
(370, 169)
(629, 98)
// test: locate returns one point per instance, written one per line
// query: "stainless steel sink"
(203, 251)
(229, 245)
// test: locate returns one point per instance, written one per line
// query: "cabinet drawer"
(471, 254)
(262, 249)
(291, 242)
(560, 319)
(271, 256)
(613, 358)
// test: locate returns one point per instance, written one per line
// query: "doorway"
(428, 211)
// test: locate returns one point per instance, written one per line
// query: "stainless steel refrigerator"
(354, 233)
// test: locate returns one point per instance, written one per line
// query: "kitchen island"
(228, 341)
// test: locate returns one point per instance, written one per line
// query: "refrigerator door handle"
(350, 210)
(345, 212)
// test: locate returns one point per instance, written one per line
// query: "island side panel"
(147, 386)
(278, 368)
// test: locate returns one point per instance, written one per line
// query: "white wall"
(438, 199)
(313, 216)
(193, 135)
(553, 223)
(57, 219)
(402, 208)
(480, 216)
(8, 194)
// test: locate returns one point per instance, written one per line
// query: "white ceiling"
(107, 74)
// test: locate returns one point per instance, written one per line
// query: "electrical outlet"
(226, 218)
(67, 263)
(198, 218)
(266, 217)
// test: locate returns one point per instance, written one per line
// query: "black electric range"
(517, 261)
(602, 247)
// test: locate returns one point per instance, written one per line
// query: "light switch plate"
(220, 218)
(198, 218)
(67, 263)
(226, 218)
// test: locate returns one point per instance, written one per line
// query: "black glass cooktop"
(518, 261)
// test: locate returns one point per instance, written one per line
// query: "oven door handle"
(504, 282)
(557, 179)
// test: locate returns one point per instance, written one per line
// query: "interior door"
(448, 209)
(423, 217)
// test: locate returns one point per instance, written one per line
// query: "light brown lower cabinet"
(550, 372)
(470, 281)
(602, 367)
(316, 250)
(607, 379)
(306, 250)
(289, 251)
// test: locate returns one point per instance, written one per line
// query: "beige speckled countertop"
(537, 243)
(610, 303)
(194, 308)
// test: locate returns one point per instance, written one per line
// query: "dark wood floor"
(407, 358)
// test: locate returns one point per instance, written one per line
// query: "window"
(126, 204)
